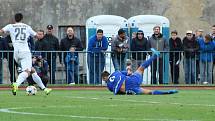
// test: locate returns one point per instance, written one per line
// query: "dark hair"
(105, 73)
(18, 17)
(213, 26)
(99, 31)
(208, 37)
(174, 32)
(121, 31)
(40, 30)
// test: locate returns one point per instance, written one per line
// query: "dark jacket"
(139, 45)
(31, 44)
(66, 43)
(2, 48)
(53, 45)
(41, 45)
(190, 47)
(175, 45)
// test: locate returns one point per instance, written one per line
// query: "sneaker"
(155, 52)
(14, 88)
(72, 83)
(47, 91)
(130, 92)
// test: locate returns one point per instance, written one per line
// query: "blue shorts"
(134, 82)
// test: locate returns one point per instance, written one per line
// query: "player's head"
(18, 17)
(105, 75)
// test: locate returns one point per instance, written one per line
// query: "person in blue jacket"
(72, 65)
(97, 45)
(126, 82)
(206, 46)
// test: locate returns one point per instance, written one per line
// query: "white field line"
(149, 102)
(10, 110)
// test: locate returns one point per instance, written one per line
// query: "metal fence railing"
(83, 67)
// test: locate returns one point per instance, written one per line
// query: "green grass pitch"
(101, 105)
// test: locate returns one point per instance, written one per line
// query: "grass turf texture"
(96, 105)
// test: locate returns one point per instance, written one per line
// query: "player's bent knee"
(33, 70)
(27, 71)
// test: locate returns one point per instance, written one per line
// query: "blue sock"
(148, 62)
(157, 92)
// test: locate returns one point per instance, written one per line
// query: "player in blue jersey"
(126, 82)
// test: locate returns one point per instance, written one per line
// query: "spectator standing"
(2, 48)
(10, 58)
(199, 36)
(72, 44)
(119, 48)
(41, 44)
(139, 43)
(175, 44)
(158, 42)
(71, 61)
(52, 46)
(190, 47)
(97, 45)
(206, 59)
(213, 39)
(213, 33)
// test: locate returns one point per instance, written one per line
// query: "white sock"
(38, 80)
(21, 78)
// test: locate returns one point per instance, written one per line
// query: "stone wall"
(183, 14)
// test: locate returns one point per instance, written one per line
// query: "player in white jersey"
(19, 33)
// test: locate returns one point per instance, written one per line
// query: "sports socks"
(158, 92)
(148, 62)
(38, 80)
(21, 78)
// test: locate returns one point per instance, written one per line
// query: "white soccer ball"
(31, 90)
(205, 83)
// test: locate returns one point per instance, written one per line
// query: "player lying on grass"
(126, 82)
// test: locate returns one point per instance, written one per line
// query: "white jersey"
(19, 33)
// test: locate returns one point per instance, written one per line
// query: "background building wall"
(183, 14)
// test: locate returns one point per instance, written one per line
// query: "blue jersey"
(115, 81)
